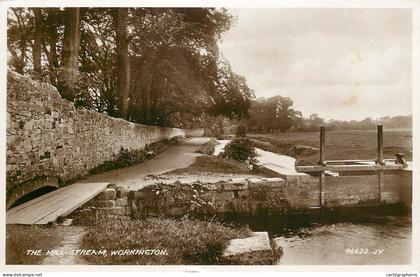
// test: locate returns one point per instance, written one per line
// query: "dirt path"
(282, 164)
(73, 237)
(177, 156)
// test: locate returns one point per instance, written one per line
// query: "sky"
(345, 64)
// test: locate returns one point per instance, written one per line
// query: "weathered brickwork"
(48, 137)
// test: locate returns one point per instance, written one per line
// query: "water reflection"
(381, 240)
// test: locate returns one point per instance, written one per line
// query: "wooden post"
(322, 146)
(380, 146)
(380, 161)
(322, 189)
(380, 185)
(322, 163)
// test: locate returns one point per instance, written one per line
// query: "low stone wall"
(47, 137)
(113, 200)
(268, 196)
(194, 132)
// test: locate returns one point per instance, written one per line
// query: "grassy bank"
(20, 238)
(184, 241)
(339, 144)
(211, 164)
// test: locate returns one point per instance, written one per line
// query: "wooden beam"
(355, 161)
(322, 189)
(318, 168)
(380, 185)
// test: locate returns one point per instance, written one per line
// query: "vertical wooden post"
(322, 163)
(380, 185)
(380, 161)
(322, 146)
(380, 145)
(322, 189)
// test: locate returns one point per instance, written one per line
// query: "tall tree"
(53, 21)
(123, 59)
(158, 66)
(97, 88)
(19, 38)
(70, 54)
(38, 41)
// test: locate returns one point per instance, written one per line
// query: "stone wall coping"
(231, 184)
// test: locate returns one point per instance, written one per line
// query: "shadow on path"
(178, 156)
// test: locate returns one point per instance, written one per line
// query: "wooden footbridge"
(50, 206)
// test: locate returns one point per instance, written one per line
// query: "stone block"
(121, 202)
(103, 204)
(107, 194)
(253, 250)
(236, 185)
(99, 204)
(210, 186)
(121, 192)
(128, 211)
(116, 211)
(266, 183)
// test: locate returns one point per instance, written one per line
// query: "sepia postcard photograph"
(225, 134)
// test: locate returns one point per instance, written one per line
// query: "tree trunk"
(123, 60)
(70, 54)
(38, 40)
(51, 26)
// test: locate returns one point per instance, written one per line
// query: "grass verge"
(212, 164)
(20, 238)
(340, 145)
(184, 241)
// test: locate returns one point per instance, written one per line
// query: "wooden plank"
(347, 191)
(43, 198)
(71, 206)
(356, 161)
(59, 202)
(35, 213)
(36, 200)
(318, 168)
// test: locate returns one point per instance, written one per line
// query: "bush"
(240, 131)
(241, 150)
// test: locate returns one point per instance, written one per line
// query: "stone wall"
(267, 196)
(239, 196)
(47, 137)
(199, 132)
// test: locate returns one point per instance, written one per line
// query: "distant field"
(339, 144)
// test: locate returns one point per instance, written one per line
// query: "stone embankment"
(239, 196)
